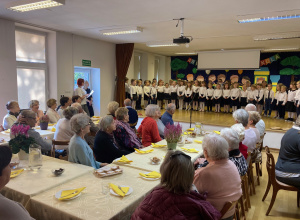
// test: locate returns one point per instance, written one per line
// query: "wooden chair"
(227, 206)
(277, 185)
(245, 188)
(240, 213)
(54, 142)
(250, 175)
(258, 160)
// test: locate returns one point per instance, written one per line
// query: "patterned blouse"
(240, 162)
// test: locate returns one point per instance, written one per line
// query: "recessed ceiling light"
(30, 5)
(272, 18)
(185, 53)
(279, 36)
(161, 44)
(122, 31)
(280, 49)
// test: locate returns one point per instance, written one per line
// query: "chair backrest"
(270, 164)
(54, 142)
(228, 206)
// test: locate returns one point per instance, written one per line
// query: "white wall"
(8, 71)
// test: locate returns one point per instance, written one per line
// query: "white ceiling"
(212, 23)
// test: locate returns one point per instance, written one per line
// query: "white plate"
(149, 178)
(128, 193)
(58, 194)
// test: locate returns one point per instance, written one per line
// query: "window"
(31, 66)
(82, 73)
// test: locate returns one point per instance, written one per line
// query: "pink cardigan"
(221, 181)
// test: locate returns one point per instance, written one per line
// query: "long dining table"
(36, 191)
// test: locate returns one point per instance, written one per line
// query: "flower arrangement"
(21, 140)
(172, 133)
(44, 119)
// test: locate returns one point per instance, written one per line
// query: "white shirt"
(291, 95)
(248, 88)
(160, 88)
(60, 112)
(244, 94)
(133, 91)
(127, 88)
(282, 97)
(226, 93)
(173, 88)
(209, 92)
(139, 90)
(276, 95)
(297, 96)
(202, 91)
(167, 90)
(81, 92)
(63, 133)
(250, 139)
(259, 94)
(251, 95)
(53, 115)
(147, 90)
(217, 93)
(188, 92)
(180, 89)
(8, 121)
(266, 96)
(153, 91)
(235, 93)
(195, 89)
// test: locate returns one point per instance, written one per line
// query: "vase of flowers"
(44, 120)
(21, 141)
(172, 135)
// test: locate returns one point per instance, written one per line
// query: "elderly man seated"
(166, 118)
(133, 115)
(260, 125)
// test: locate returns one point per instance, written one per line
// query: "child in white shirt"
(274, 103)
(133, 93)
(235, 96)
(146, 93)
(244, 95)
(195, 89)
(187, 95)
(173, 89)
(217, 97)
(139, 95)
(226, 98)
(297, 99)
(167, 94)
(160, 93)
(209, 97)
(269, 97)
(281, 101)
(290, 105)
(259, 98)
(127, 89)
(180, 94)
(251, 95)
(153, 93)
(202, 96)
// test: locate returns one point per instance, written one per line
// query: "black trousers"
(281, 109)
(139, 102)
(209, 104)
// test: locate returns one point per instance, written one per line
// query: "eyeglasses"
(179, 153)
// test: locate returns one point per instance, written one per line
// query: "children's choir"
(196, 95)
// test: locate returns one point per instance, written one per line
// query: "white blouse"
(195, 89)
(139, 90)
(259, 94)
(53, 115)
(235, 93)
(276, 95)
(173, 88)
(8, 121)
(226, 93)
(202, 91)
(160, 88)
(251, 94)
(147, 90)
(267, 94)
(282, 97)
(133, 91)
(244, 94)
(181, 89)
(209, 92)
(297, 96)
(188, 92)
(81, 92)
(127, 88)
(153, 91)
(167, 90)
(291, 95)
(217, 93)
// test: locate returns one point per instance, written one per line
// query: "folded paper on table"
(191, 150)
(158, 145)
(122, 191)
(16, 173)
(67, 194)
(124, 160)
(199, 142)
(190, 129)
(152, 174)
(143, 151)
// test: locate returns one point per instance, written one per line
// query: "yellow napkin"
(67, 194)
(191, 150)
(50, 124)
(152, 174)
(122, 192)
(7, 131)
(53, 129)
(158, 145)
(190, 129)
(124, 160)
(198, 142)
(143, 151)
(217, 132)
(16, 173)
(188, 133)
(96, 116)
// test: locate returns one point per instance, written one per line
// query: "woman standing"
(82, 93)
(89, 100)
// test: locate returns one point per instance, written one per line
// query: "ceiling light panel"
(280, 49)
(269, 16)
(279, 36)
(121, 31)
(30, 5)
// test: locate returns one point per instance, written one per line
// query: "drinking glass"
(35, 157)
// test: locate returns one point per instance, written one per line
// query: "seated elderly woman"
(250, 140)
(65, 102)
(287, 169)
(124, 134)
(175, 193)
(160, 124)
(148, 129)
(76, 99)
(9, 209)
(52, 114)
(28, 117)
(79, 151)
(219, 179)
(240, 130)
(235, 155)
(11, 117)
(112, 108)
(254, 117)
(34, 105)
(105, 147)
(63, 128)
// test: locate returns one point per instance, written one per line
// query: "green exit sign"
(86, 63)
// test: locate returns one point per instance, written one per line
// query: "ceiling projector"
(181, 40)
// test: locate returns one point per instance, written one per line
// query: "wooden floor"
(220, 119)
(285, 206)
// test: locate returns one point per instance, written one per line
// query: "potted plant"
(21, 141)
(44, 120)
(172, 135)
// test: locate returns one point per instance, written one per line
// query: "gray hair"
(78, 122)
(112, 107)
(240, 130)
(28, 114)
(69, 112)
(171, 107)
(77, 106)
(241, 116)
(121, 113)
(127, 102)
(231, 137)
(33, 103)
(106, 122)
(250, 107)
(151, 110)
(216, 147)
